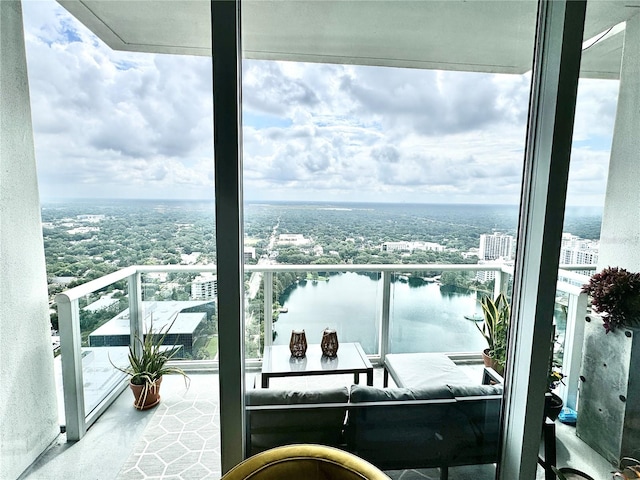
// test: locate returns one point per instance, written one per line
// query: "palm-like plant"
(151, 364)
(495, 327)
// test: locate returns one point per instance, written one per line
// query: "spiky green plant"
(151, 364)
(495, 326)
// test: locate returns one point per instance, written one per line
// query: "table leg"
(370, 377)
(265, 381)
(356, 378)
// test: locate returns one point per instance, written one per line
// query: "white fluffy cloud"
(138, 125)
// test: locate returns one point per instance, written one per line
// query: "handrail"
(93, 285)
(69, 316)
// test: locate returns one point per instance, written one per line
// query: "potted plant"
(147, 368)
(553, 402)
(494, 329)
(615, 295)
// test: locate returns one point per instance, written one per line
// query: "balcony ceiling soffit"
(477, 36)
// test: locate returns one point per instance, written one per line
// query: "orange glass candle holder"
(298, 343)
(329, 343)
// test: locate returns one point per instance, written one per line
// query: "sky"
(111, 124)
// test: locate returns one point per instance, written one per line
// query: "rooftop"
(161, 314)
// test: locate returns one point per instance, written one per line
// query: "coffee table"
(278, 362)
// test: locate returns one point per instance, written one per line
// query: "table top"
(350, 359)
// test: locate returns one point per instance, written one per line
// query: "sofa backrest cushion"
(271, 428)
(475, 390)
(361, 393)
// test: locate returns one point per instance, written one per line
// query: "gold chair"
(309, 462)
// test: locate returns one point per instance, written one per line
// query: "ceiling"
(466, 35)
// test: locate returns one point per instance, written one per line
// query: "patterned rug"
(182, 440)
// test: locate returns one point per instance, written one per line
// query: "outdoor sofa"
(438, 425)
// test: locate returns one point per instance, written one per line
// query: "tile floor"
(180, 439)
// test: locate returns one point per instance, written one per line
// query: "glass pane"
(125, 164)
(598, 234)
(381, 141)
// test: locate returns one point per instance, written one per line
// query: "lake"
(422, 318)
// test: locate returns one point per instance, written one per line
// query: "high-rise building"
(204, 287)
(495, 246)
(578, 251)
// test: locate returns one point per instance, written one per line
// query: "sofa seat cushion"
(271, 428)
(424, 369)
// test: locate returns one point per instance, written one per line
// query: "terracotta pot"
(491, 362)
(147, 395)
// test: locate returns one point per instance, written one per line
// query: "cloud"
(113, 119)
(124, 124)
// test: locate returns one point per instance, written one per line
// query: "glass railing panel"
(428, 315)
(348, 302)
(254, 317)
(105, 332)
(182, 304)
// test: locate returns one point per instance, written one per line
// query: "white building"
(578, 251)
(292, 239)
(91, 218)
(204, 287)
(249, 253)
(396, 247)
(411, 246)
(495, 246)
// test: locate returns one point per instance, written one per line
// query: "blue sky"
(128, 125)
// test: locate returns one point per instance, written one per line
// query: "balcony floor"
(180, 439)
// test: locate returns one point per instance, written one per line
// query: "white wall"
(620, 237)
(28, 411)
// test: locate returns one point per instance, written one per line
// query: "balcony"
(93, 389)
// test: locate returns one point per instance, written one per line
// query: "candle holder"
(298, 343)
(329, 342)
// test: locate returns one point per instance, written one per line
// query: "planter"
(491, 362)
(553, 406)
(609, 401)
(146, 397)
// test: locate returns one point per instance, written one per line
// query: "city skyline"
(126, 125)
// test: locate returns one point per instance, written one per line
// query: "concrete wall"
(28, 411)
(620, 237)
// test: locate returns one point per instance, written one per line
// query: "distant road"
(256, 277)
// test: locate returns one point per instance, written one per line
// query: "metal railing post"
(136, 314)
(72, 378)
(497, 284)
(267, 278)
(385, 317)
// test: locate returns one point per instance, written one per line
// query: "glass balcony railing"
(386, 308)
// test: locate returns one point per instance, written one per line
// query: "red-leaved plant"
(615, 294)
